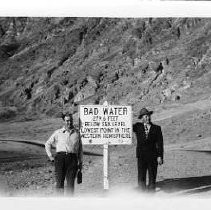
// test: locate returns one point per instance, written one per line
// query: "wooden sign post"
(105, 125)
(105, 167)
(105, 161)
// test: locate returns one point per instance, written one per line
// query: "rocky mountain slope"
(48, 65)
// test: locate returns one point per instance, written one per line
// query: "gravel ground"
(25, 170)
(183, 170)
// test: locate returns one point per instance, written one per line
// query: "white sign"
(100, 124)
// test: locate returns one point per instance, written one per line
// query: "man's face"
(146, 119)
(68, 122)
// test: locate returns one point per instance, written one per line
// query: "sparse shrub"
(177, 98)
(7, 113)
(53, 111)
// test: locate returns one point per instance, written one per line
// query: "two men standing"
(68, 159)
(149, 150)
(69, 152)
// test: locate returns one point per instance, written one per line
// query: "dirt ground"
(26, 171)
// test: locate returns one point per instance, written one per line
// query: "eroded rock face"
(87, 91)
(129, 61)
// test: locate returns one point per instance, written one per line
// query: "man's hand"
(160, 160)
(80, 166)
(51, 159)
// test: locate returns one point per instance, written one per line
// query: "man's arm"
(135, 128)
(48, 144)
(80, 153)
(160, 146)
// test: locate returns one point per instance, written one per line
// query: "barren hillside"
(54, 64)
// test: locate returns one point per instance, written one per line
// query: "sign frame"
(110, 141)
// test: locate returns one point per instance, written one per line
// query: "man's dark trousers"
(148, 149)
(66, 166)
(146, 165)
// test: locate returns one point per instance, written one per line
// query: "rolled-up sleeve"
(49, 143)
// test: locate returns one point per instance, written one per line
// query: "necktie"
(146, 131)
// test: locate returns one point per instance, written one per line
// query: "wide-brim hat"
(144, 111)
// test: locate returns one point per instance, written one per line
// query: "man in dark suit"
(149, 150)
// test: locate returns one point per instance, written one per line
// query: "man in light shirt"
(69, 152)
(149, 150)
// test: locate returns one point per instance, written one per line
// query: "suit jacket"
(149, 148)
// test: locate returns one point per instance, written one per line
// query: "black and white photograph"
(105, 107)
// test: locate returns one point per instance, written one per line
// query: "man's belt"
(66, 153)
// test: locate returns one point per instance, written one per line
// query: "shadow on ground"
(193, 184)
(43, 146)
(201, 151)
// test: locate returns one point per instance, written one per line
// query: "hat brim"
(148, 113)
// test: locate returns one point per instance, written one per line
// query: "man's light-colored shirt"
(65, 141)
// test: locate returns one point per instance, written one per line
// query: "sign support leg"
(105, 166)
